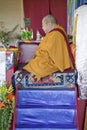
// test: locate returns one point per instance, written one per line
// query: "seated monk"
(52, 54)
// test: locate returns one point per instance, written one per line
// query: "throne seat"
(54, 80)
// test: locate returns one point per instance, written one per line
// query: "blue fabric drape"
(80, 2)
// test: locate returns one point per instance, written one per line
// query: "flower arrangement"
(26, 34)
(7, 37)
(6, 106)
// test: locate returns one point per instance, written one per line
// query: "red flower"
(2, 104)
(10, 96)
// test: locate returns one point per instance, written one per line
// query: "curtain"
(58, 9)
(37, 9)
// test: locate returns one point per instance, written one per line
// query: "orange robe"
(51, 56)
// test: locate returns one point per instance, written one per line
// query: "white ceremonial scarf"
(81, 49)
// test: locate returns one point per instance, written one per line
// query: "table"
(27, 50)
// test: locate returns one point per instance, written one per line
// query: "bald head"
(49, 19)
(48, 23)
